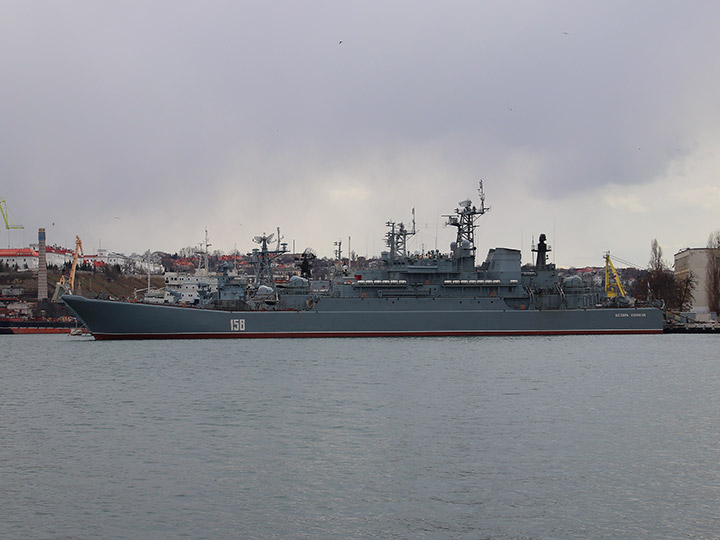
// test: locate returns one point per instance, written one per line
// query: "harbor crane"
(613, 287)
(78, 251)
(9, 224)
(7, 218)
(67, 286)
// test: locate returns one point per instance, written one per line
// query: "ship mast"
(263, 259)
(542, 249)
(397, 237)
(464, 219)
(203, 262)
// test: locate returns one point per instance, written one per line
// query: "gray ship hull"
(357, 318)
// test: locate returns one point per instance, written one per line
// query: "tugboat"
(431, 294)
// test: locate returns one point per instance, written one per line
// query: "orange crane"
(67, 286)
(78, 250)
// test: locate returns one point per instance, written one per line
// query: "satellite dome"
(298, 282)
(573, 282)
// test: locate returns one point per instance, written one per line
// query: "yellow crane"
(613, 287)
(7, 218)
(9, 224)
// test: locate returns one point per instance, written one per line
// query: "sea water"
(612, 437)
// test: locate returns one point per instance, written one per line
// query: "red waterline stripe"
(270, 335)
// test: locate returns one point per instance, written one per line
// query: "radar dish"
(264, 238)
(466, 203)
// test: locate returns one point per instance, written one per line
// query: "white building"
(110, 258)
(140, 264)
(55, 255)
(27, 259)
(21, 258)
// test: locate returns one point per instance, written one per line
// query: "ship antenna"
(481, 192)
(279, 239)
(204, 253)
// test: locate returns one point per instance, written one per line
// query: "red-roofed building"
(22, 258)
(28, 258)
(55, 255)
(183, 265)
(58, 256)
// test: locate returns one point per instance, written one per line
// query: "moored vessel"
(428, 294)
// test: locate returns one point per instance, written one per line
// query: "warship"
(412, 294)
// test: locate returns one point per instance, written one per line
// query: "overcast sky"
(138, 124)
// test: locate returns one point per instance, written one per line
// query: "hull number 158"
(237, 325)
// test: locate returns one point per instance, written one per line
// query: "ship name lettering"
(237, 325)
(622, 315)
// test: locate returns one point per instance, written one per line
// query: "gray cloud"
(176, 115)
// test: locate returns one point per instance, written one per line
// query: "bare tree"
(656, 262)
(187, 252)
(659, 283)
(684, 291)
(712, 283)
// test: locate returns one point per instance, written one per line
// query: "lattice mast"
(464, 219)
(397, 237)
(263, 259)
